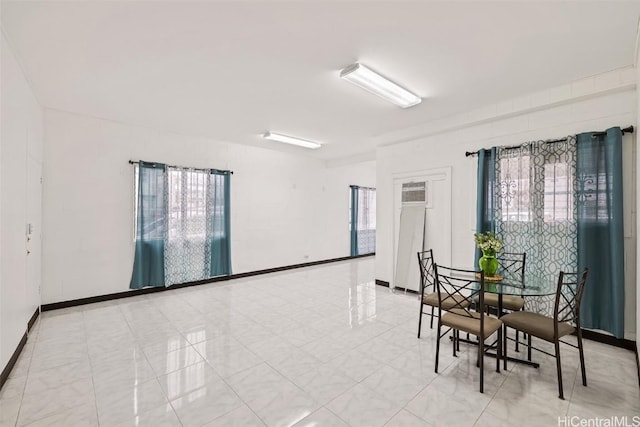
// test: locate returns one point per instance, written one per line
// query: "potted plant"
(490, 245)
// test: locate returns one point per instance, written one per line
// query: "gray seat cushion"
(509, 302)
(536, 324)
(470, 322)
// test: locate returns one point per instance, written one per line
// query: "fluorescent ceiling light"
(369, 80)
(291, 140)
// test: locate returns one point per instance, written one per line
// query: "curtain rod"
(628, 129)
(134, 162)
(364, 188)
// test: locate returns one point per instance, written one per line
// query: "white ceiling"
(233, 70)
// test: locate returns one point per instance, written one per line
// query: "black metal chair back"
(513, 262)
(427, 274)
(460, 287)
(568, 298)
(427, 280)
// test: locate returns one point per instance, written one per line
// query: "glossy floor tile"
(320, 346)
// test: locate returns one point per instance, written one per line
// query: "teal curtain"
(485, 194)
(601, 229)
(354, 220)
(219, 222)
(151, 226)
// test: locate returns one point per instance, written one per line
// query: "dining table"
(529, 285)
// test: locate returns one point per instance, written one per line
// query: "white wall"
(612, 102)
(638, 182)
(285, 209)
(20, 139)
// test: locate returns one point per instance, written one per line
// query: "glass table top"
(513, 284)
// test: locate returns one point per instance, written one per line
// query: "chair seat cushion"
(470, 322)
(448, 301)
(509, 302)
(536, 324)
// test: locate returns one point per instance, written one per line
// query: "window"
(523, 186)
(182, 224)
(362, 220)
(187, 204)
(558, 192)
(515, 189)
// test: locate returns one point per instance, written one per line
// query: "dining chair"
(565, 321)
(428, 294)
(462, 286)
(514, 264)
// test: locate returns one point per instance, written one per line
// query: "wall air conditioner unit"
(414, 193)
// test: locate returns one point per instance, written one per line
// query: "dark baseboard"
(7, 369)
(135, 292)
(386, 285)
(609, 339)
(99, 298)
(411, 291)
(33, 319)
(267, 271)
(14, 358)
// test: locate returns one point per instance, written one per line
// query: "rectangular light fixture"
(291, 140)
(373, 82)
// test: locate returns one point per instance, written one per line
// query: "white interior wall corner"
(21, 126)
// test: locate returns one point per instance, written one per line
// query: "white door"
(33, 233)
(437, 226)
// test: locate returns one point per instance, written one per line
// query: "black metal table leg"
(509, 358)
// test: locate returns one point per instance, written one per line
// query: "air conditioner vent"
(414, 192)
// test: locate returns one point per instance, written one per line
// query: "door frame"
(428, 176)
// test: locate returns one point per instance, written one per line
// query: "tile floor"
(319, 346)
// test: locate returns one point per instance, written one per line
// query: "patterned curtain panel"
(151, 225)
(535, 208)
(601, 229)
(363, 220)
(187, 253)
(219, 223)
